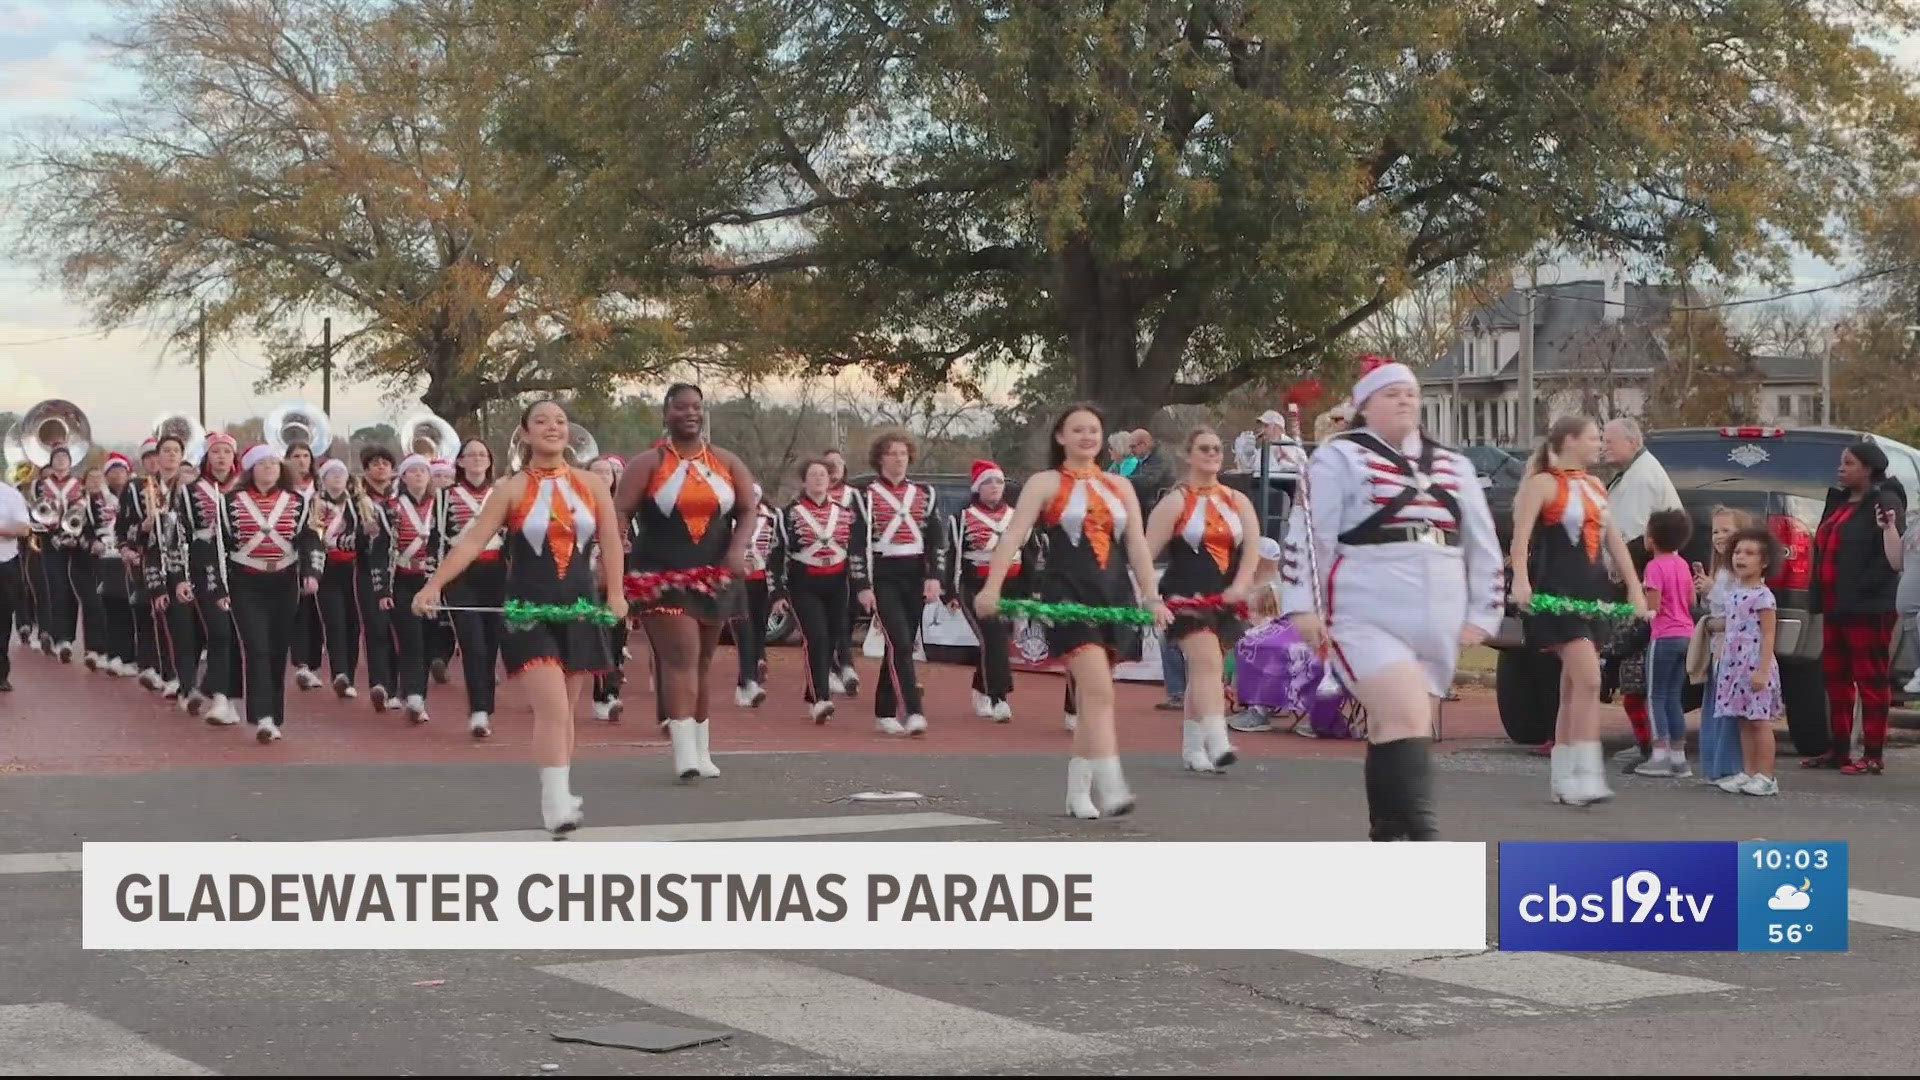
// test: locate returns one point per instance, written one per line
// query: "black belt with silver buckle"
(1410, 534)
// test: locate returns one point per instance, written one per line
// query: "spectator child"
(1669, 588)
(1748, 686)
(1719, 735)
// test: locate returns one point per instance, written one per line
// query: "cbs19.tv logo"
(1592, 897)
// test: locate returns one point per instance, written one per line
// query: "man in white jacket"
(1639, 490)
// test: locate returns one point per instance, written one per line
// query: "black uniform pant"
(55, 604)
(820, 605)
(340, 615)
(750, 631)
(83, 569)
(309, 633)
(116, 612)
(899, 585)
(482, 584)
(843, 632)
(9, 604)
(412, 633)
(263, 610)
(221, 644)
(180, 636)
(28, 614)
(379, 627)
(993, 675)
(146, 635)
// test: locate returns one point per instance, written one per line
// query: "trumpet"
(75, 521)
(369, 517)
(45, 513)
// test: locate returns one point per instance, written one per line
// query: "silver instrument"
(429, 436)
(1329, 682)
(582, 448)
(75, 521)
(192, 436)
(47, 426)
(298, 422)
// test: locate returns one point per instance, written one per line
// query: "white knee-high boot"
(1193, 747)
(1566, 787)
(1115, 797)
(686, 751)
(1219, 748)
(1080, 789)
(703, 758)
(559, 810)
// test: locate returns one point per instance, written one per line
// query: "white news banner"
(835, 895)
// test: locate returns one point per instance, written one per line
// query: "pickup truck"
(1780, 477)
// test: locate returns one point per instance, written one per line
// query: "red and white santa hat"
(984, 471)
(118, 460)
(221, 438)
(415, 461)
(149, 446)
(256, 454)
(1377, 373)
(442, 467)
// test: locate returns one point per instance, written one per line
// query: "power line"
(51, 340)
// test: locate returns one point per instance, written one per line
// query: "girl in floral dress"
(1747, 689)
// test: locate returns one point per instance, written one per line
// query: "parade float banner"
(831, 895)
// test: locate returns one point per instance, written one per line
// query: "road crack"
(1317, 1009)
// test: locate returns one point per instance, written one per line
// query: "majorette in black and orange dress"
(1202, 558)
(1084, 529)
(550, 539)
(685, 521)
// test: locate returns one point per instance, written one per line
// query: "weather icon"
(1788, 898)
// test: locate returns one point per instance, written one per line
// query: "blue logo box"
(1673, 897)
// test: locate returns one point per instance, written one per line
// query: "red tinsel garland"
(651, 585)
(1210, 602)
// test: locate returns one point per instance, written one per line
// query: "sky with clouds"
(53, 71)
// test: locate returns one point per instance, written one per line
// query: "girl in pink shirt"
(1669, 587)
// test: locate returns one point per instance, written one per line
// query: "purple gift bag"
(1276, 670)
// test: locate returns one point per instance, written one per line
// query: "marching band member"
(845, 679)
(16, 524)
(206, 512)
(441, 641)
(309, 628)
(976, 531)
(483, 584)
(116, 592)
(56, 604)
(338, 517)
(695, 506)
(373, 585)
(818, 563)
(274, 557)
(166, 563)
(1213, 532)
(906, 560)
(1563, 538)
(1092, 524)
(750, 630)
(416, 549)
(607, 686)
(85, 569)
(25, 616)
(553, 514)
(129, 526)
(1409, 569)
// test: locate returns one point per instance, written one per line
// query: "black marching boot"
(1383, 805)
(1411, 766)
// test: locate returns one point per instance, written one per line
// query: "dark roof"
(1571, 332)
(1788, 368)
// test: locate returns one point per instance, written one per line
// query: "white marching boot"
(1193, 747)
(686, 754)
(480, 725)
(1080, 789)
(1115, 798)
(560, 812)
(1218, 746)
(703, 758)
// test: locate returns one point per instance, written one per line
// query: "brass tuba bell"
(192, 436)
(429, 436)
(582, 447)
(50, 425)
(75, 521)
(298, 422)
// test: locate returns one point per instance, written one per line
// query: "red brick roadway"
(64, 719)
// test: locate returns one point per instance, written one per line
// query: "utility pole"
(203, 365)
(1826, 386)
(1527, 428)
(326, 366)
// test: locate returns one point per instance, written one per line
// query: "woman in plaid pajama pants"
(1857, 559)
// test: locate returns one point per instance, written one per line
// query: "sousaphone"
(190, 432)
(429, 436)
(582, 447)
(48, 426)
(298, 422)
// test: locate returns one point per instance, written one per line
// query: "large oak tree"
(1182, 197)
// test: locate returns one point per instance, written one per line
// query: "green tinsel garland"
(1066, 612)
(521, 615)
(1547, 604)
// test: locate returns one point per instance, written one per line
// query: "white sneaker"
(889, 725)
(602, 710)
(1656, 765)
(982, 704)
(416, 708)
(820, 711)
(1913, 684)
(220, 711)
(1002, 712)
(1677, 766)
(150, 678)
(305, 679)
(192, 703)
(1072, 720)
(64, 651)
(1732, 784)
(92, 661)
(1760, 785)
(686, 755)
(342, 686)
(1080, 789)
(349, 692)
(170, 689)
(377, 697)
(479, 725)
(703, 757)
(850, 679)
(231, 712)
(834, 685)
(268, 731)
(916, 724)
(1193, 747)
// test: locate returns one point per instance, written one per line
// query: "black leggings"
(54, 603)
(820, 604)
(483, 584)
(993, 675)
(898, 595)
(221, 644)
(263, 612)
(411, 630)
(750, 632)
(340, 614)
(378, 624)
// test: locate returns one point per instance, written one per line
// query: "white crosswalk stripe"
(52, 1039)
(1548, 978)
(859, 1023)
(1883, 909)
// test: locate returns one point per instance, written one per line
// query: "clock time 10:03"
(1795, 859)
